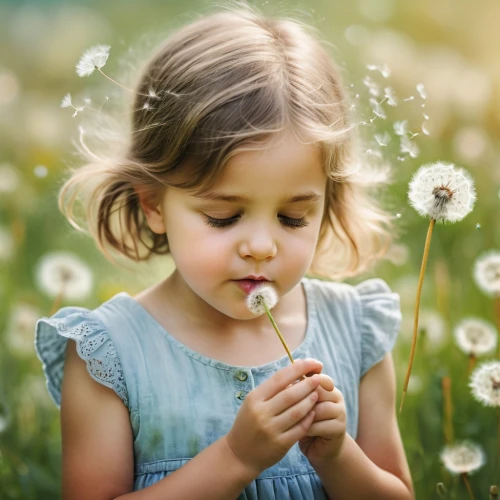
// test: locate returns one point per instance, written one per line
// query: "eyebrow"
(309, 196)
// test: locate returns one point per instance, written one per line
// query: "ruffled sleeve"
(93, 345)
(380, 320)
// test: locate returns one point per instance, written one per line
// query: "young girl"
(241, 165)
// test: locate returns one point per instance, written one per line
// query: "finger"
(327, 429)
(327, 382)
(292, 395)
(335, 396)
(280, 380)
(294, 414)
(300, 429)
(326, 410)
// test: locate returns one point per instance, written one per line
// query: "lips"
(248, 285)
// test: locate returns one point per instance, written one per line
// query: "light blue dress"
(180, 401)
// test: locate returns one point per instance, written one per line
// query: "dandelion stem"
(114, 81)
(417, 307)
(472, 363)
(497, 316)
(467, 484)
(448, 422)
(271, 319)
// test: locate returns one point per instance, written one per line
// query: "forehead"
(285, 164)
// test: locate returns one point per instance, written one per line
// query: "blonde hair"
(231, 81)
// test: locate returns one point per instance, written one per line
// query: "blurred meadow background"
(440, 62)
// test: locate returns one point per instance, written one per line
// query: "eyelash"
(286, 221)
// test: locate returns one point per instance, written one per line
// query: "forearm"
(214, 474)
(353, 475)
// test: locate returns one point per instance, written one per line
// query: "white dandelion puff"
(20, 329)
(421, 90)
(401, 127)
(487, 272)
(64, 272)
(390, 95)
(463, 458)
(485, 383)
(92, 59)
(382, 139)
(475, 336)
(409, 147)
(262, 295)
(442, 191)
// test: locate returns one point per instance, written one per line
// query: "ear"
(152, 212)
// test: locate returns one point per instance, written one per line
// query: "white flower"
(64, 272)
(401, 127)
(487, 272)
(485, 383)
(409, 147)
(442, 191)
(260, 296)
(475, 336)
(6, 245)
(93, 58)
(463, 458)
(20, 334)
(9, 179)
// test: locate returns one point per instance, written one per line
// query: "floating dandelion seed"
(421, 90)
(374, 152)
(424, 129)
(409, 147)
(478, 226)
(401, 127)
(373, 86)
(463, 458)
(92, 59)
(426, 117)
(410, 98)
(383, 70)
(390, 95)
(398, 216)
(475, 336)
(382, 139)
(68, 103)
(378, 110)
(441, 192)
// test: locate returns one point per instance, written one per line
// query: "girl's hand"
(325, 437)
(275, 415)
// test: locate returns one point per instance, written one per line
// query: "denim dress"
(180, 401)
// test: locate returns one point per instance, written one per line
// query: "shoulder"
(93, 344)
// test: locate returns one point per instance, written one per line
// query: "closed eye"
(285, 221)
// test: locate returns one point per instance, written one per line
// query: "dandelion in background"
(443, 193)
(20, 329)
(487, 277)
(447, 408)
(463, 458)
(485, 386)
(475, 337)
(63, 274)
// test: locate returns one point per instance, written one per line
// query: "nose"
(258, 244)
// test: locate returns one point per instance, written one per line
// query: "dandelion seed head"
(93, 58)
(463, 458)
(475, 336)
(485, 383)
(487, 272)
(442, 192)
(262, 295)
(64, 272)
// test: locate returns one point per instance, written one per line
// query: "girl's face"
(260, 220)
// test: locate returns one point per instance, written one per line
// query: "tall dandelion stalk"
(443, 193)
(262, 300)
